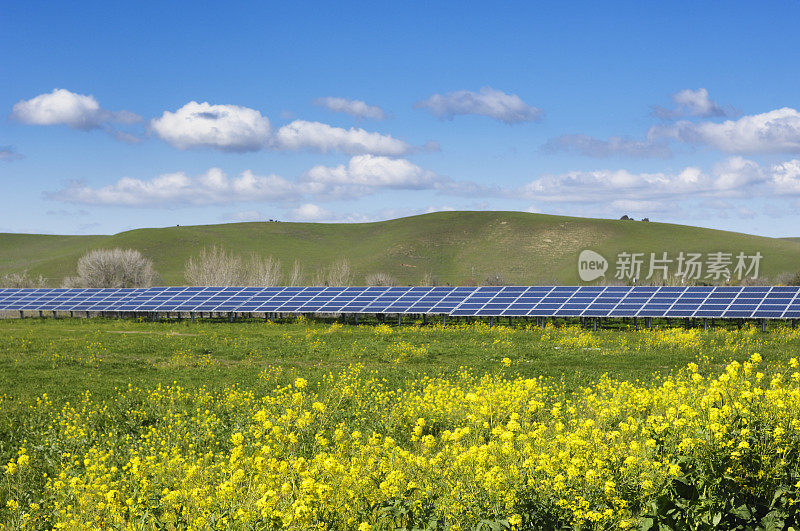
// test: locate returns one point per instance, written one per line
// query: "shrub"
(214, 266)
(297, 275)
(113, 268)
(381, 279)
(260, 271)
(21, 280)
(338, 273)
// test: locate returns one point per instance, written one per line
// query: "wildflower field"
(111, 424)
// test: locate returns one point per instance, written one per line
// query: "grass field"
(456, 247)
(319, 425)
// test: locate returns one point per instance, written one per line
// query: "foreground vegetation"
(115, 424)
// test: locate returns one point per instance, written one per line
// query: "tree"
(259, 271)
(214, 267)
(113, 268)
(21, 280)
(381, 279)
(297, 275)
(336, 274)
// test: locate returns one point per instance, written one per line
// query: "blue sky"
(157, 114)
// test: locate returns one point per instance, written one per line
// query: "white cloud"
(640, 206)
(786, 177)
(508, 108)
(365, 172)
(362, 175)
(735, 177)
(775, 131)
(62, 107)
(244, 216)
(311, 212)
(736, 173)
(223, 127)
(690, 102)
(593, 147)
(317, 136)
(8, 154)
(171, 189)
(356, 108)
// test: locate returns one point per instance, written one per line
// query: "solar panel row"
(768, 302)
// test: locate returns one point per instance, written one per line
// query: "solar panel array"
(768, 302)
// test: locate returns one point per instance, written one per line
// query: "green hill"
(456, 247)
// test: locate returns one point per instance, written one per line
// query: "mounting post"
(54, 315)
(763, 325)
(594, 324)
(399, 319)
(424, 318)
(21, 314)
(444, 319)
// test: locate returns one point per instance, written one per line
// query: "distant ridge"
(455, 247)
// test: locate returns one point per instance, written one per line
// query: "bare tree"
(21, 280)
(381, 279)
(429, 279)
(340, 273)
(296, 276)
(113, 268)
(494, 280)
(214, 266)
(336, 274)
(260, 271)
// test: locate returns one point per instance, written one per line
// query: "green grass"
(67, 357)
(456, 247)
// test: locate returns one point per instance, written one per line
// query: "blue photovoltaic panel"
(768, 302)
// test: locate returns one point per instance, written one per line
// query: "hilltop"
(455, 247)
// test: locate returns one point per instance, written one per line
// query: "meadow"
(323, 425)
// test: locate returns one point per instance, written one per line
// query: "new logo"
(591, 266)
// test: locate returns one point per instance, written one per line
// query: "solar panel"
(767, 302)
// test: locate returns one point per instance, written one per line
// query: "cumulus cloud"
(317, 136)
(735, 177)
(594, 147)
(173, 189)
(311, 212)
(508, 108)
(223, 127)
(776, 131)
(8, 154)
(362, 175)
(356, 108)
(786, 177)
(641, 206)
(367, 172)
(62, 107)
(690, 102)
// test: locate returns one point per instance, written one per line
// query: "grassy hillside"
(454, 246)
